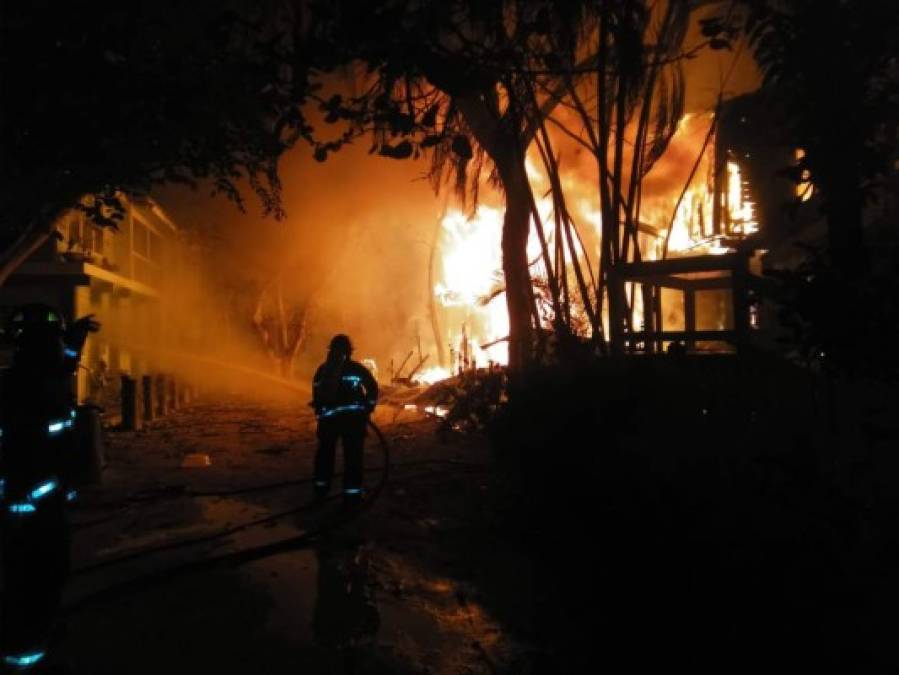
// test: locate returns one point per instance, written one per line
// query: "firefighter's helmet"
(35, 321)
(341, 343)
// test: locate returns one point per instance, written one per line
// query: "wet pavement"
(396, 590)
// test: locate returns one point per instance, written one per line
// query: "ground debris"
(196, 460)
(399, 602)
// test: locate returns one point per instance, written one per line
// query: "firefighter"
(37, 416)
(344, 395)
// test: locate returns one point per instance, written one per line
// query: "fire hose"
(234, 558)
(198, 494)
(138, 554)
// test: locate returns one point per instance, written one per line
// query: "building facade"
(139, 281)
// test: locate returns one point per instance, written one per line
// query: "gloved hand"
(77, 333)
(86, 324)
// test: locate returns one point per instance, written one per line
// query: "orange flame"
(469, 289)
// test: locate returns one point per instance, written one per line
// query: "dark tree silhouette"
(106, 99)
(467, 82)
(474, 84)
(831, 67)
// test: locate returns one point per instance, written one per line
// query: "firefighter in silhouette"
(37, 419)
(344, 394)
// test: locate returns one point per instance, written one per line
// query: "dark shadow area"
(216, 622)
(695, 511)
(345, 619)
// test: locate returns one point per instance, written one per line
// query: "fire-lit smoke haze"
(353, 253)
(354, 245)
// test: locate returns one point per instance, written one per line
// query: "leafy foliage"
(831, 66)
(474, 85)
(416, 63)
(99, 99)
(844, 323)
(675, 479)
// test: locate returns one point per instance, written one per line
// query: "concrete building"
(135, 279)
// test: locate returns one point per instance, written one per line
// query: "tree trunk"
(507, 150)
(845, 237)
(519, 292)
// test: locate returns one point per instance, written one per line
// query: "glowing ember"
(436, 410)
(433, 410)
(431, 375)
(804, 189)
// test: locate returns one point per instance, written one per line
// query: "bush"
(679, 502)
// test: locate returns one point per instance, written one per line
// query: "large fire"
(469, 291)
(470, 287)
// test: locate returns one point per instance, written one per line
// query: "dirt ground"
(418, 583)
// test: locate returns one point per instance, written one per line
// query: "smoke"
(354, 247)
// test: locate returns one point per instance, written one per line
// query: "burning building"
(696, 281)
(698, 285)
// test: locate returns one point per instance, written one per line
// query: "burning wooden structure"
(689, 277)
(743, 216)
(694, 283)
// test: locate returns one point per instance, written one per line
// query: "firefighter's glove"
(78, 331)
(87, 324)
